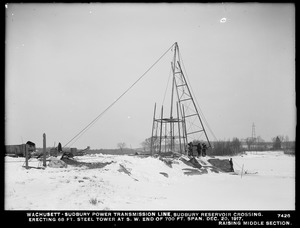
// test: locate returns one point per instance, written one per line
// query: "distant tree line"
(229, 147)
(235, 146)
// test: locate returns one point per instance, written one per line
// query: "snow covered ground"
(267, 183)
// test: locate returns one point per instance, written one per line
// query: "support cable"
(100, 115)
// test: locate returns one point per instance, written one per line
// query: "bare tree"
(249, 142)
(260, 142)
(121, 145)
(235, 145)
(286, 142)
(277, 142)
(147, 143)
(281, 138)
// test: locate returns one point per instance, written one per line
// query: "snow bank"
(147, 183)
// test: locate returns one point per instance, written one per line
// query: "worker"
(59, 149)
(231, 165)
(190, 149)
(199, 149)
(204, 148)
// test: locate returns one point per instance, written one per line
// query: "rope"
(94, 120)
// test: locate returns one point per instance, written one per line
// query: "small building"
(20, 150)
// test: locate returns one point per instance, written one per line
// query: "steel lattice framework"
(183, 125)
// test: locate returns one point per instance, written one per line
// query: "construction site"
(177, 130)
(177, 173)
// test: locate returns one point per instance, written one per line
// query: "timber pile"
(196, 169)
(223, 164)
(89, 165)
(192, 162)
(170, 155)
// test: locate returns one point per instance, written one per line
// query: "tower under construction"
(180, 123)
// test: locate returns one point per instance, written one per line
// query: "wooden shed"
(19, 150)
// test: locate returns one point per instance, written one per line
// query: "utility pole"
(44, 150)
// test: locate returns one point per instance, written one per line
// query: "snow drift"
(262, 181)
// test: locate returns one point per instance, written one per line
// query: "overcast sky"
(66, 63)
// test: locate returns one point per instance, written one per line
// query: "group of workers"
(201, 149)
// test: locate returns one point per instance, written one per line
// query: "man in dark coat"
(190, 149)
(204, 148)
(199, 149)
(231, 165)
(59, 148)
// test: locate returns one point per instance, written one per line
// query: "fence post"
(44, 150)
(26, 156)
(242, 171)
